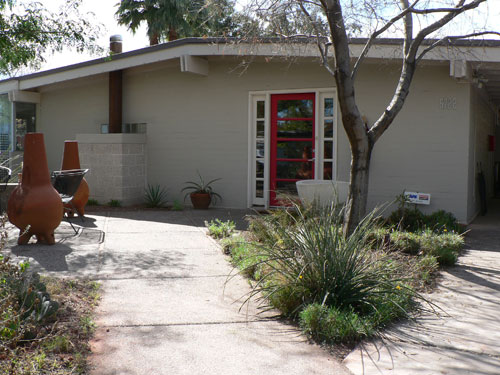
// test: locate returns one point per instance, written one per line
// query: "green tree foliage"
(168, 20)
(28, 30)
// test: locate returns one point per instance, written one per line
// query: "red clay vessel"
(34, 206)
(71, 160)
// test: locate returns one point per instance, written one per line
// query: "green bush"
(92, 202)
(114, 203)
(405, 242)
(24, 302)
(313, 262)
(445, 247)
(244, 255)
(413, 220)
(220, 229)
(155, 196)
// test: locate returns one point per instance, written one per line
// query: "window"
(25, 122)
(327, 129)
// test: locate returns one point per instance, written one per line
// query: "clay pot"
(34, 206)
(71, 160)
(200, 200)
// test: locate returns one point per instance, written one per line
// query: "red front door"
(292, 143)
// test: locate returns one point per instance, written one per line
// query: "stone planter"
(322, 191)
(34, 206)
(71, 160)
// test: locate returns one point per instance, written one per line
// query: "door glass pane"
(294, 170)
(260, 149)
(5, 122)
(295, 108)
(328, 107)
(25, 122)
(261, 109)
(328, 128)
(260, 129)
(295, 129)
(286, 187)
(328, 149)
(259, 169)
(294, 150)
(259, 189)
(327, 170)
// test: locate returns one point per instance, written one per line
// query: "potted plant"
(201, 193)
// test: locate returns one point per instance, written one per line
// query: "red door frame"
(274, 139)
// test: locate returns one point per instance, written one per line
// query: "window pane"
(25, 122)
(328, 128)
(259, 189)
(260, 149)
(328, 149)
(261, 109)
(327, 170)
(294, 170)
(329, 107)
(294, 150)
(5, 122)
(295, 108)
(286, 187)
(259, 169)
(260, 129)
(295, 129)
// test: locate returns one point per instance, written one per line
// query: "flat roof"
(228, 47)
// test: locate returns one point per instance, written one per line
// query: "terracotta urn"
(71, 160)
(34, 206)
(200, 200)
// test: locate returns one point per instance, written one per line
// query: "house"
(261, 116)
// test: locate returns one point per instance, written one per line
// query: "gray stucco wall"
(201, 123)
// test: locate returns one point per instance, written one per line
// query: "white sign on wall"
(417, 198)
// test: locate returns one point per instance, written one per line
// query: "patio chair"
(5, 174)
(66, 183)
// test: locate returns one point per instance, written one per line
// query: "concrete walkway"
(465, 338)
(167, 307)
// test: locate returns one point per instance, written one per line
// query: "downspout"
(115, 89)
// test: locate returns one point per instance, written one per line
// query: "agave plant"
(155, 196)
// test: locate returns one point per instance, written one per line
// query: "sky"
(104, 11)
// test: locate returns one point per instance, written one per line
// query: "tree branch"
(378, 32)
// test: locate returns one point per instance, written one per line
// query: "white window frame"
(253, 97)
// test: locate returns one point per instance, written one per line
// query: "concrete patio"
(168, 307)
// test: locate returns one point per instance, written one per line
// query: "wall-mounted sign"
(418, 198)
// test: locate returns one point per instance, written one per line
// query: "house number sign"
(448, 104)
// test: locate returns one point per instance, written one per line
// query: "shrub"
(92, 202)
(114, 203)
(445, 247)
(313, 262)
(177, 206)
(220, 229)
(155, 196)
(24, 302)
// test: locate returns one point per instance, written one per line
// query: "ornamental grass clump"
(311, 263)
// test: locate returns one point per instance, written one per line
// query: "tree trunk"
(358, 188)
(153, 39)
(172, 34)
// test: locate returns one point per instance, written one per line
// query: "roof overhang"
(470, 52)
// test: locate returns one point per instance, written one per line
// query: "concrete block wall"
(117, 166)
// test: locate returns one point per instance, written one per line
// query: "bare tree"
(418, 22)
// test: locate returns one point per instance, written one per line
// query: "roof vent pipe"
(115, 43)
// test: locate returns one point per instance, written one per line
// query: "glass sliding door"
(25, 122)
(5, 125)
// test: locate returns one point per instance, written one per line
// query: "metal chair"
(67, 183)
(5, 175)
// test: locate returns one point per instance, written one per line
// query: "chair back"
(5, 174)
(67, 182)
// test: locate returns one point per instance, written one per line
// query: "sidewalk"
(465, 338)
(167, 305)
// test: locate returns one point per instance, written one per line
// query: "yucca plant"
(312, 261)
(155, 196)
